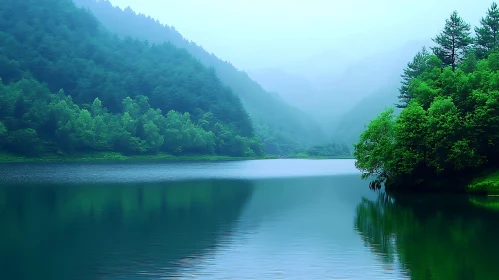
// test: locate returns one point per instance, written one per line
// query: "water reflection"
(110, 231)
(432, 237)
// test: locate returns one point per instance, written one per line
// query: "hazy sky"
(272, 33)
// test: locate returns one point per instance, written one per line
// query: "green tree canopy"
(487, 34)
(69, 86)
(3, 133)
(416, 67)
(449, 126)
(374, 150)
(453, 41)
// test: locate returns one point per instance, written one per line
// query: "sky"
(255, 34)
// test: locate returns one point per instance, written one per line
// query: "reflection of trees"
(368, 221)
(432, 237)
(487, 202)
(59, 232)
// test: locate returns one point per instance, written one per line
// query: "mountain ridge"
(277, 123)
(70, 86)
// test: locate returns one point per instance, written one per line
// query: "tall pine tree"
(453, 41)
(414, 68)
(487, 35)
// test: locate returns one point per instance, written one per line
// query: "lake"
(268, 219)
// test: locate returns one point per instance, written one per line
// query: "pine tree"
(453, 41)
(487, 35)
(414, 68)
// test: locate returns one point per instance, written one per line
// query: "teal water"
(273, 219)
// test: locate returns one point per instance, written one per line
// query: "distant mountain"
(294, 89)
(373, 72)
(331, 86)
(349, 127)
(281, 127)
(368, 87)
(319, 69)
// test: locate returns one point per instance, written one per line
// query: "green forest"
(448, 129)
(70, 86)
(282, 129)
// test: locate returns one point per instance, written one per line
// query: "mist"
(254, 34)
(329, 59)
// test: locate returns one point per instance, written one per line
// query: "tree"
(470, 60)
(453, 41)
(373, 151)
(416, 67)
(411, 133)
(24, 142)
(487, 35)
(3, 133)
(84, 132)
(154, 140)
(101, 134)
(96, 109)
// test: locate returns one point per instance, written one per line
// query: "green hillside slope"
(281, 127)
(70, 86)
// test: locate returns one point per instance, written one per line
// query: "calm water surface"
(273, 219)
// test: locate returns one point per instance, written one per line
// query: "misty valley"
(249, 139)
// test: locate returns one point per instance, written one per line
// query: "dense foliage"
(450, 123)
(70, 86)
(281, 127)
(329, 150)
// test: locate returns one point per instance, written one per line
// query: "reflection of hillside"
(432, 237)
(61, 232)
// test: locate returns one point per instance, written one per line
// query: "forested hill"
(281, 127)
(448, 129)
(70, 86)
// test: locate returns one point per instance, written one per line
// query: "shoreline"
(480, 183)
(486, 182)
(118, 157)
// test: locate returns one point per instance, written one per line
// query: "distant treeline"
(329, 150)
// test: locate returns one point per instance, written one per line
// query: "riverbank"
(487, 202)
(111, 157)
(476, 183)
(305, 156)
(486, 183)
